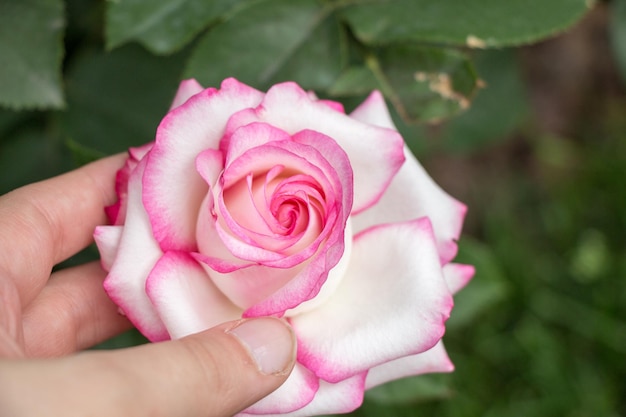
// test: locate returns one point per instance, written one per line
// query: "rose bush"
(250, 204)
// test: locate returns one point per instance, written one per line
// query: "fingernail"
(270, 341)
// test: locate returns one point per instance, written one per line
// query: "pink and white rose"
(252, 204)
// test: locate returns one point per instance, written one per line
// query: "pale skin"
(46, 320)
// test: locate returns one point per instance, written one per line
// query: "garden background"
(517, 108)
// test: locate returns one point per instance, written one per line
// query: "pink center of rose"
(262, 214)
(281, 210)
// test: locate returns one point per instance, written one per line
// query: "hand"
(214, 373)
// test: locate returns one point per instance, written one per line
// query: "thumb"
(218, 372)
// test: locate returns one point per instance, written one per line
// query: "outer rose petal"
(343, 397)
(425, 198)
(296, 392)
(107, 240)
(117, 211)
(173, 189)
(185, 297)
(137, 254)
(186, 89)
(375, 153)
(374, 111)
(335, 105)
(433, 360)
(342, 337)
(457, 276)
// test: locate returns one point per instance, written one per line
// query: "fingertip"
(242, 361)
(270, 342)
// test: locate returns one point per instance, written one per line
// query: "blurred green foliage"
(541, 330)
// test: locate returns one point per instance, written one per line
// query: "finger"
(46, 222)
(71, 313)
(11, 335)
(215, 373)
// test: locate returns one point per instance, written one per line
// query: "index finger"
(44, 223)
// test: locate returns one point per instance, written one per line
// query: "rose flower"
(279, 204)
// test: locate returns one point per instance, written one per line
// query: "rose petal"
(173, 189)
(409, 308)
(250, 136)
(117, 211)
(374, 111)
(305, 285)
(457, 276)
(335, 276)
(433, 360)
(137, 254)
(185, 297)
(375, 154)
(107, 240)
(335, 105)
(412, 193)
(296, 392)
(186, 89)
(209, 165)
(343, 397)
(136, 153)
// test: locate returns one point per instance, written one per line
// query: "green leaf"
(31, 34)
(270, 41)
(499, 108)
(426, 84)
(117, 99)
(354, 81)
(422, 83)
(477, 23)
(162, 26)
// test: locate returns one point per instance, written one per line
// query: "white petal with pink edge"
(117, 211)
(107, 240)
(185, 297)
(458, 275)
(433, 360)
(173, 189)
(296, 392)
(393, 302)
(375, 153)
(186, 89)
(137, 254)
(374, 111)
(340, 398)
(412, 193)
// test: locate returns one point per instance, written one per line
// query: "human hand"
(214, 373)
